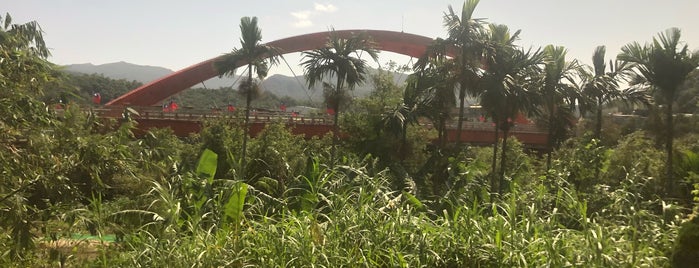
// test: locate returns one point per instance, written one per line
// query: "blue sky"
(178, 33)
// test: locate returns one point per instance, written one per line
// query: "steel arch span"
(160, 89)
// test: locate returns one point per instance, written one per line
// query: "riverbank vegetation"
(79, 190)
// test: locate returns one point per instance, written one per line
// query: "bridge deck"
(187, 121)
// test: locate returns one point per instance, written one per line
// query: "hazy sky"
(179, 33)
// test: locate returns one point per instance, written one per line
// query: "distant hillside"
(280, 85)
(140, 73)
(294, 88)
(121, 70)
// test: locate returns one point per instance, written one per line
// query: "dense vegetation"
(393, 193)
(81, 88)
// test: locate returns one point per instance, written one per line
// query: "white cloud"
(329, 8)
(303, 18)
(303, 23)
(301, 15)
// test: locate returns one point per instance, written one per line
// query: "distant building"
(303, 110)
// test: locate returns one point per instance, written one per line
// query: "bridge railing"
(189, 114)
(488, 126)
(263, 116)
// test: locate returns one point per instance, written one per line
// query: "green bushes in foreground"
(358, 221)
(386, 199)
(349, 215)
(169, 211)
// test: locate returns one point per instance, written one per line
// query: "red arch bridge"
(182, 123)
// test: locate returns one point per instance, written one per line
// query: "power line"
(297, 80)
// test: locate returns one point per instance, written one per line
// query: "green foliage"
(388, 198)
(223, 138)
(686, 250)
(525, 228)
(519, 165)
(201, 98)
(80, 88)
(661, 67)
(340, 59)
(583, 160)
(687, 99)
(207, 165)
(635, 152)
(614, 129)
(277, 157)
(389, 127)
(233, 209)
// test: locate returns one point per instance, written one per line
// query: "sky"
(178, 33)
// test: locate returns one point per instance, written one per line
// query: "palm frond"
(251, 53)
(339, 59)
(598, 61)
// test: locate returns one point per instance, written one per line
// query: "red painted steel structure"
(184, 128)
(397, 42)
(158, 90)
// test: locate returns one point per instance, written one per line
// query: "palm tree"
(600, 87)
(255, 56)
(558, 95)
(466, 34)
(662, 66)
(340, 58)
(501, 43)
(509, 74)
(433, 84)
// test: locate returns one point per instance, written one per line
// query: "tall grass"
(355, 214)
(356, 220)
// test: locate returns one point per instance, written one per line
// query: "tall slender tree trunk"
(336, 116)
(598, 124)
(550, 138)
(246, 130)
(459, 125)
(336, 132)
(442, 132)
(669, 180)
(493, 166)
(598, 134)
(403, 141)
(503, 160)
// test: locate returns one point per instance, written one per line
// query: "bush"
(636, 151)
(686, 250)
(276, 158)
(223, 137)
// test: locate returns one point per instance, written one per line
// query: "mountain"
(294, 87)
(140, 73)
(280, 85)
(121, 70)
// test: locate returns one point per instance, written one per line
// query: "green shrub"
(686, 250)
(276, 158)
(224, 137)
(636, 151)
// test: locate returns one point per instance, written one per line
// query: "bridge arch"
(160, 89)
